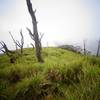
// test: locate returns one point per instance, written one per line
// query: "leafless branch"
(41, 36)
(22, 38)
(32, 45)
(17, 43)
(31, 35)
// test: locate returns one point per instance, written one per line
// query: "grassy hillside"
(63, 76)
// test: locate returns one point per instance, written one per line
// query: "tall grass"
(64, 75)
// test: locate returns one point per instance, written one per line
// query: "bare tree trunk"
(35, 32)
(84, 47)
(98, 49)
(22, 42)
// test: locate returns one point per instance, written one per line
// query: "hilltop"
(64, 75)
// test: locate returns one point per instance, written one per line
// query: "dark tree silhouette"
(8, 52)
(17, 43)
(35, 35)
(84, 49)
(98, 49)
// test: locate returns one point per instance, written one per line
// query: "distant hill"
(76, 49)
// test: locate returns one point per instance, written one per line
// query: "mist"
(62, 22)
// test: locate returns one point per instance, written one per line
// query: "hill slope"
(63, 76)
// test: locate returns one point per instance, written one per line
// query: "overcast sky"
(61, 21)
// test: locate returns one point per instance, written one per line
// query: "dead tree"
(84, 49)
(17, 43)
(21, 44)
(8, 52)
(34, 35)
(98, 49)
(5, 49)
(13, 40)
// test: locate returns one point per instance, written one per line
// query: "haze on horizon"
(61, 21)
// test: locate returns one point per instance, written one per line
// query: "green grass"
(64, 75)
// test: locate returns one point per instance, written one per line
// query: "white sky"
(61, 21)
